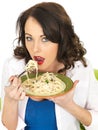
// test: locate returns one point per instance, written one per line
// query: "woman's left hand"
(66, 99)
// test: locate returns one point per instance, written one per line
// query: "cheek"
(28, 47)
(52, 52)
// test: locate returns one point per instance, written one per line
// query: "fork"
(21, 73)
(34, 71)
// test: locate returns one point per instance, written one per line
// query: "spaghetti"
(45, 84)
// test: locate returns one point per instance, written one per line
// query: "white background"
(82, 12)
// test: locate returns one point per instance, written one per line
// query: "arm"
(66, 101)
(10, 114)
(77, 111)
(13, 94)
(83, 107)
(80, 113)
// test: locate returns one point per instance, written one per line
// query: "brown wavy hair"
(57, 27)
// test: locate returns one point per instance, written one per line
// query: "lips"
(39, 59)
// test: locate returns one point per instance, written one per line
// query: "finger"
(22, 96)
(19, 91)
(75, 83)
(16, 83)
(16, 93)
(12, 78)
(50, 99)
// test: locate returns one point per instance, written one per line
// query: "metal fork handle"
(21, 73)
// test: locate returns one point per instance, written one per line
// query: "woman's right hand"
(14, 91)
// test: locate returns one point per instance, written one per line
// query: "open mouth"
(39, 59)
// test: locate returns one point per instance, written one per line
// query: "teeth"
(38, 58)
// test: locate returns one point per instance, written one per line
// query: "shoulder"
(79, 66)
(14, 64)
(80, 70)
(13, 61)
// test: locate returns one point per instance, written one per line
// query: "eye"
(44, 39)
(28, 38)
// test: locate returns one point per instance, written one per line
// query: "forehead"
(33, 25)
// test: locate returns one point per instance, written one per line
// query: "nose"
(36, 47)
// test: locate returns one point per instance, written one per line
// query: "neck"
(55, 68)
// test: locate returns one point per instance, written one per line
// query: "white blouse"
(86, 95)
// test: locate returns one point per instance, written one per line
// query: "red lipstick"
(39, 59)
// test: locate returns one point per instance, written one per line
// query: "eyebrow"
(28, 34)
(31, 35)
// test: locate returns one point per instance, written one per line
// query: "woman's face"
(39, 47)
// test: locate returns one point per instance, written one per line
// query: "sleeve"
(92, 101)
(10, 68)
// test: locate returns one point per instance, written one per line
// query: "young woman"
(46, 35)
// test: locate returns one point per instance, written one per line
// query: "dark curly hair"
(58, 28)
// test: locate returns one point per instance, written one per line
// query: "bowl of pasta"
(45, 85)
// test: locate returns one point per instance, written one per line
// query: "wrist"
(10, 100)
(70, 105)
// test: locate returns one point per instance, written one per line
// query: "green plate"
(68, 82)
